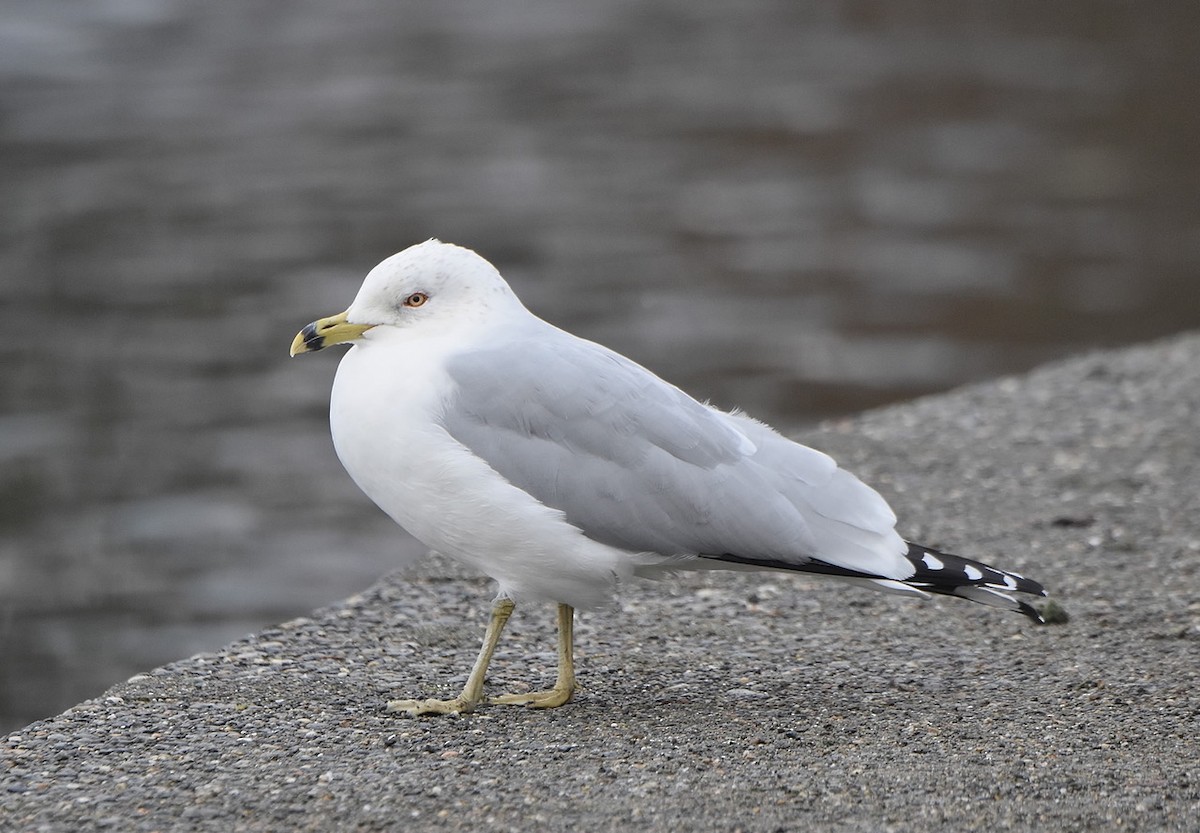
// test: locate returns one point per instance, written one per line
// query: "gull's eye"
(416, 299)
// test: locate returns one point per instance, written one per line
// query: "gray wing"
(636, 463)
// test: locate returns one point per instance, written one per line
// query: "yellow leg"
(564, 687)
(472, 693)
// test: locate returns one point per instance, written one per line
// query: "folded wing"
(636, 463)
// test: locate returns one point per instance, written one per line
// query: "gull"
(561, 469)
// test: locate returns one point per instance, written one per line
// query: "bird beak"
(332, 330)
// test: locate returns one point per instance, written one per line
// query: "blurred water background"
(802, 207)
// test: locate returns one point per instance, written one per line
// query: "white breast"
(385, 419)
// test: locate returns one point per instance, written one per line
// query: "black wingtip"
(1031, 611)
(953, 575)
(937, 572)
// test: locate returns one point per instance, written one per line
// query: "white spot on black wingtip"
(953, 575)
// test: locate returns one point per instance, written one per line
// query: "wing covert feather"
(636, 463)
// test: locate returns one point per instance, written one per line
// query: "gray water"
(802, 208)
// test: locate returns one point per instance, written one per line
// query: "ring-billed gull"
(560, 468)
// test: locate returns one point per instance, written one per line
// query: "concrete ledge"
(736, 701)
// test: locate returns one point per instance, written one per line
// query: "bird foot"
(548, 699)
(458, 705)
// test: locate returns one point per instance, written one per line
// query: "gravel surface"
(733, 701)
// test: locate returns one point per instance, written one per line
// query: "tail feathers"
(953, 575)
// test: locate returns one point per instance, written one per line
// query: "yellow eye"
(416, 299)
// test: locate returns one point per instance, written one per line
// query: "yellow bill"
(327, 331)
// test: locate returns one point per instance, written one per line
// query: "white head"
(449, 279)
(429, 285)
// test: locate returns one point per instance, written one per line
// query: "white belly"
(385, 420)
